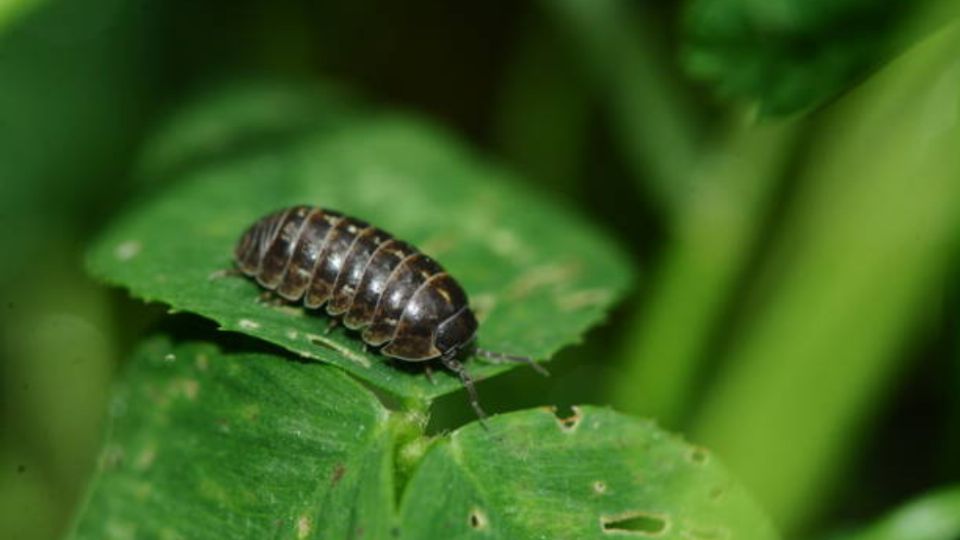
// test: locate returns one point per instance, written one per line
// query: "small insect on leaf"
(400, 300)
(400, 176)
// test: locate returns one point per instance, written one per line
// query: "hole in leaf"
(568, 421)
(638, 523)
(698, 455)
(478, 520)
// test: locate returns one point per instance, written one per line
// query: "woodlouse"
(399, 298)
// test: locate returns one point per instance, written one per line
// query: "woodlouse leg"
(501, 358)
(225, 273)
(455, 366)
(270, 298)
(333, 324)
(428, 371)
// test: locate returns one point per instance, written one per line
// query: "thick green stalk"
(714, 203)
(711, 244)
(867, 240)
(653, 121)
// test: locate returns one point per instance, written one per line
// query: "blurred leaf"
(27, 509)
(543, 122)
(53, 62)
(57, 353)
(11, 10)
(869, 237)
(240, 118)
(785, 55)
(537, 275)
(623, 56)
(595, 474)
(211, 445)
(72, 81)
(715, 234)
(72, 98)
(935, 516)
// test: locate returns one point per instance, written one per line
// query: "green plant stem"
(714, 236)
(714, 204)
(647, 106)
(867, 241)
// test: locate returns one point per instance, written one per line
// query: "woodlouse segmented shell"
(401, 299)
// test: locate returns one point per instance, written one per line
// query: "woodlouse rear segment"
(400, 299)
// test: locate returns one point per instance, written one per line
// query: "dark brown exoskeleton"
(402, 300)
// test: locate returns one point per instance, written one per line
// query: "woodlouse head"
(457, 332)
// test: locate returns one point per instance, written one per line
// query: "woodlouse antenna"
(499, 357)
(455, 366)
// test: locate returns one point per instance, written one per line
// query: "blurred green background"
(785, 173)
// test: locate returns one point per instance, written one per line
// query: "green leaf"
(61, 149)
(619, 45)
(934, 516)
(211, 445)
(243, 117)
(596, 474)
(786, 55)
(207, 444)
(537, 275)
(879, 185)
(12, 10)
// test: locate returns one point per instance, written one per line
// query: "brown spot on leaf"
(146, 458)
(303, 527)
(112, 457)
(189, 388)
(202, 362)
(580, 299)
(538, 277)
(337, 475)
(698, 455)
